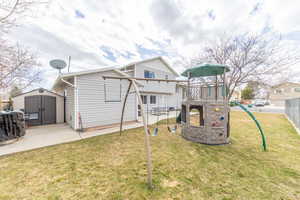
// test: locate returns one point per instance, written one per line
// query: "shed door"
(48, 110)
(41, 109)
(33, 106)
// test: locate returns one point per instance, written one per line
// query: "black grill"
(11, 125)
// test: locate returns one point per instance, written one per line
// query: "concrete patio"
(42, 136)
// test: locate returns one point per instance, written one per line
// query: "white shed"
(42, 106)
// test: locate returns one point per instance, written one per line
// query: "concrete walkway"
(42, 136)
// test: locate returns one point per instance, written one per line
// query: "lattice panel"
(195, 93)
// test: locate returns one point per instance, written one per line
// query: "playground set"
(208, 98)
(205, 101)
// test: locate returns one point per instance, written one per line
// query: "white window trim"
(149, 73)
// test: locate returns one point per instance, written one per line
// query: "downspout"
(136, 98)
(75, 99)
(76, 104)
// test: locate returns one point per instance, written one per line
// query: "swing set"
(214, 126)
(155, 131)
(133, 83)
(173, 129)
(157, 111)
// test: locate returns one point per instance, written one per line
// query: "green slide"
(257, 124)
(178, 118)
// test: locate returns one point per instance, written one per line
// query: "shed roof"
(37, 90)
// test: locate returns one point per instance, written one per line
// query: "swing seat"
(155, 132)
(172, 130)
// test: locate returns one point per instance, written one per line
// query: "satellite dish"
(58, 64)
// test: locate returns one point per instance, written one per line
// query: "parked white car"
(259, 102)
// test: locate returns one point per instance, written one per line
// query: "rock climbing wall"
(214, 130)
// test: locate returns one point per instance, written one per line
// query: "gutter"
(75, 100)
(70, 84)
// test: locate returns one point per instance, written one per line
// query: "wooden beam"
(147, 139)
(144, 79)
(158, 93)
(123, 108)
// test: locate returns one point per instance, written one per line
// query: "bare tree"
(251, 57)
(11, 10)
(18, 66)
(15, 90)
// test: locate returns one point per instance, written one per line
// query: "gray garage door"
(41, 109)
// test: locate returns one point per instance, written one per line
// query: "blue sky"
(105, 33)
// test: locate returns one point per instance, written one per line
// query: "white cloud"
(115, 32)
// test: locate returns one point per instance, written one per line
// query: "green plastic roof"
(206, 70)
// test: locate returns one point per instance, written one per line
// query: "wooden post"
(216, 95)
(226, 106)
(225, 85)
(188, 88)
(147, 139)
(124, 103)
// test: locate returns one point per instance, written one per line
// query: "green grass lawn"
(114, 167)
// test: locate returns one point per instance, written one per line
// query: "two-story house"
(279, 93)
(91, 101)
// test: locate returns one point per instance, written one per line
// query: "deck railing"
(206, 93)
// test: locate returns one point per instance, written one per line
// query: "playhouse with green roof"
(205, 110)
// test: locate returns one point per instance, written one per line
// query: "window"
(297, 89)
(278, 91)
(184, 93)
(222, 91)
(148, 74)
(196, 116)
(166, 77)
(144, 99)
(183, 113)
(112, 90)
(152, 99)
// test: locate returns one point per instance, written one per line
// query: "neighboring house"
(92, 101)
(279, 93)
(236, 96)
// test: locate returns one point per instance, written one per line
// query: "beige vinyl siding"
(70, 106)
(93, 109)
(19, 103)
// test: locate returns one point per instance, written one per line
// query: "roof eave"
(71, 75)
(150, 59)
